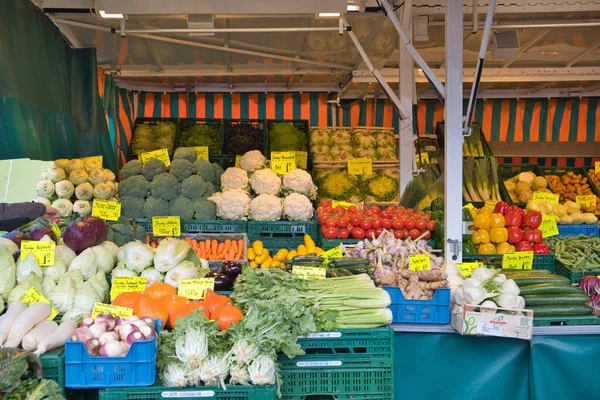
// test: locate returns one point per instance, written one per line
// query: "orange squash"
(146, 307)
(227, 315)
(184, 310)
(213, 300)
(158, 289)
(129, 299)
(171, 302)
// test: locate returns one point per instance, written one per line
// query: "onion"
(98, 328)
(125, 347)
(135, 336)
(138, 322)
(87, 322)
(108, 319)
(107, 337)
(148, 332)
(125, 330)
(149, 321)
(93, 346)
(82, 334)
(111, 348)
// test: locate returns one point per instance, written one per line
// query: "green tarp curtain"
(49, 102)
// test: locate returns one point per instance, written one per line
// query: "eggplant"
(232, 269)
(222, 281)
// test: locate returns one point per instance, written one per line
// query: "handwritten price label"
(424, 158)
(420, 263)
(519, 260)
(469, 207)
(42, 251)
(34, 296)
(107, 210)
(586, 201)
(126, 284)
(166, 226)
(309, 273)
(344, 204)
(548, 226)
(238, 161)
(360, 166)
(162, 155)
(195, 288)
(115, 311)
(283, 161)
(467, 268)
(541, 197)
(202, 152)
(301, 159)
(491, 204)
(336, 252)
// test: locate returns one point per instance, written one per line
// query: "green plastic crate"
(340, 397)
(201, 226)
(282, 234)
(572, 321)
(573, 276)
(187, 123)
(53, 364)
(82, 394)
(158, 392)
(328, 244)
(377, 341)
(540, 261)
(321, 361)
(507, 171)
(153, 121)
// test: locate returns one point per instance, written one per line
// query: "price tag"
(162, 155)
(344, 204)
(336, 252)
(519, 260)
(202, 152)
(542, 197)
(115, 311)
(34, 296)
(469, 207)
(548, 226)
(166, 226)
(301, 159)
(420, 262)
(597, 167)
(56, 230)
(586, 201)
(424, 158)
(467, 268)
(125, 284)
(42, 251)
(97, 158)
(309, 273)
(283, 161)
(238, 160)
(491, 204)
(360, 166)
(490, 329)
(107, 210)
(195, 288)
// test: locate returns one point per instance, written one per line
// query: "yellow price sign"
(336, 252)
(238, 161)
(42, 251)
(301, 159)
(420, 262)
(126, 284)
(597, 167)
(107, 210)
(162, 155)
(548, 227)
(491, 203)
(34, 296)
(469, 206)
(586, 201)
(541, 197)
(115, 311)
(202, 152)
(309, 273)
(344, 204)
(424, 158)
(360, 166)
(518, 260)
(195, 288)
(166, 226)
(283, 161)
(467, 268)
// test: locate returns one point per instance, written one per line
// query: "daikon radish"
(9, 318)
(57, 339)
(33, 315)
(40, 331)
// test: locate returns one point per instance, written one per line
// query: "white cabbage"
(28, 266)
(138, 256)
(100, 284)
(55, 271)
(17, 293)
(47, 285)
(105, 260)
(86, 297)
(152, 275)
(9, 245)
(185, 269)
(65, 253)
(169, 253)
(8, 271)
(61, 297)
(121, 270)
(86, 263)
(110, 246)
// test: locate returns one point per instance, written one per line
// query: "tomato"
(431, 226)
(322, 219)
(340, 209)
(369, 213)
(398, 224)
(323, 203)
(385, 214)
(331, 223)
(323, 229)
(410, 224)
(386, 224)
(366, 225)
(376, 223)
(378, 232)
(427, 234)
(427, 217)
(331, 233)
(399, 235)
(354, 221)
(375, 209)
(414, 233)
(358, 233)
(421, 225)
(328, 209)
(344, 233)
(342, 223)
(352, 210)
(369, 234)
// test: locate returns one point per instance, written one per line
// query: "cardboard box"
(501, 324)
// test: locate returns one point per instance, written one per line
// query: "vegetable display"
(148, 137)
(22, 377)
(577, 253)
(201, 135)
(568, 213)
(570, 185)
(335, 145)
(522, 186)
(480, 179)
(243, 137)
(285, 137)
(210, 249)
(259, 256)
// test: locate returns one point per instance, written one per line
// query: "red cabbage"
(588, 284)
(99, 227)
(79, 236)
(40, 232)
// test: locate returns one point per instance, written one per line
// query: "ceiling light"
(103, 14)
(355, 8)
(329, 15)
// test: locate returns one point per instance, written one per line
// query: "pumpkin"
(227, 315)
(213, 300)
(184, 310)
(171, 302)
(158, 289)
(128, 299)
(146, 307)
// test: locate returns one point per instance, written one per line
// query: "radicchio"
(590, 284)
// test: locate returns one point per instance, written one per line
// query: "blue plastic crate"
(434, 311)
(580, 229)
(137, 368)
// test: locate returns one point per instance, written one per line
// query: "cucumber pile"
(347, 266)
(550, 295)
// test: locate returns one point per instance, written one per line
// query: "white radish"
(107, 337)
(40, 331)
(57, 339)
(138, 322)
(33, 315)
(9, 318)
(98, 328)
(111, 349)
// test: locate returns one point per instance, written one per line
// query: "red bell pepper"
(501, 207)
(533, 219)
(532, 235)
(524, 246)
(541, 248)
(513, 218)
(515, 235)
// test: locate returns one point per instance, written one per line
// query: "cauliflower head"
(253, 160)
(231, 204)
(234, 178)
(266, 207)
(300, 181)
(297, 207)
(265, 181)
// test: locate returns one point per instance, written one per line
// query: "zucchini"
(307, 259)
(348, 262)
(561, 311)
(355, 270)
(343, 272)
(549, 288)
(525, 271)
(559, 280)
(535, 300)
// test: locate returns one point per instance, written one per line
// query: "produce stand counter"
(559, 362)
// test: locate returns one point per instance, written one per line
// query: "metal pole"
(236, 30)
(453, 160)
(407, 79)
(533, 25)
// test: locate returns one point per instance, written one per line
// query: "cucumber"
(561, 311)
(349, 262)
(549, 288)
(560, 280)
(536, 300)
(525, 271)
(355, 270)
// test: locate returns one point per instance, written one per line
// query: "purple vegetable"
(39, 233)
(588, 284)
(125, 330)
(111, 348)
(98, 225)
(231, 268)
(93, 347)
(108, 318)
(135, 336)
(79, 236)
(16, 237)
(16, 255)
(87, 322)
(595, 300)
(148, 332)
(82, 334)
(107, 337)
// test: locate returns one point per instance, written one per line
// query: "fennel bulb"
(489, 307)
(192, 347)
(175, 375)
(214, 370)
(239, 375)
(482, 273)
(262, 371)
(244, 352)
(507, 300)
(473, 295)
(510, 287)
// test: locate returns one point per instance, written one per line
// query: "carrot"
(188, 240)
(240, 250)
(147, 239)
(201, 246)
(214, 246)
(220, 248)
(234, 246)
(227, 242)
(231, 254)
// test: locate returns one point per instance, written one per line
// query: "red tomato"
(331, 233)
(370, 233)
(398, 224)
(354, 221)
(378, 231)
(331, 223)
(385, 214)
(358, 233)
(399, 235)
(386, 224)
(344, 233)
(328, 209)
(375, 209)
(414, 233)
(322, 219)
(323, 203)
(376, 223)
(409, 224)
(352, 210)
(421, 225)
(427, 235)
(366, 225)
(405, 233)
(369, 213)
(431, 226)
(342, 223)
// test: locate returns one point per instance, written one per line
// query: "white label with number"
(194, 393)
(325, 335)
(489, 329)
(318, 363)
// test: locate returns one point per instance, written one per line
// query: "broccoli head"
(133, 167)
(193, 187)
(218, 172)
(210, 189)
(153, 167)
(155, 207)
(205, 210)
(181, 169)
(285, 137)
(134, 186)
(187, 153)
(182, 207)
(338, 185)
(164, 186)
(205, 170)
(131, 207)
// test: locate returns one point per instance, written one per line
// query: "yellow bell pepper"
(498, 235)
(480, 237)
(473, 212)
(505, 247)
(486, 248)
(485, 211)
(481, 222)
(497, 221)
